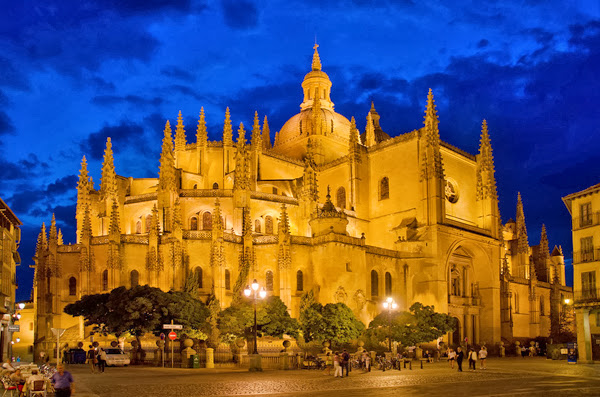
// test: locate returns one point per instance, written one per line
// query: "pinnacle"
(316, 62)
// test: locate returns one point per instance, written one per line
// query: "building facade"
(10, 238)
(352, 217)
(584, 207)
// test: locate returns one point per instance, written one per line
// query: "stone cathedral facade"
(354, 217)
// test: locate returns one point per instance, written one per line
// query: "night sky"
(74, 72)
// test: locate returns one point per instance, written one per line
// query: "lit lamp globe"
(21, 306)
(262, 293)
(247, 291)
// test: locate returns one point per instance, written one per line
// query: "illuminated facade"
(353, 217)
(584, 207)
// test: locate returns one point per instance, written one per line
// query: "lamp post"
(390, 305)
(253, 291)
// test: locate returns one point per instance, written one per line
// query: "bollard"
(421, 364)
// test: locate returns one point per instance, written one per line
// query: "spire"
(180, 134)
(108, 183)
(284, 221)
(266, 135)
(60, 237)
(42, 241)
(84, 176)
(370, 131)
(256, 139)
(53, 233)
(522, 242)
(217, 222)
(241, 140)
(227, 130)
(166, 174)
(86, 228)
(154, 223)
(486, 180)
(316, 61)
(201, 133)
(432, 158)
(544, 249)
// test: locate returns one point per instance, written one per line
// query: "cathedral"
(354, 217)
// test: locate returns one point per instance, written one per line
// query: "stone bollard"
(502, 350)
(210, 357)
(187, 353)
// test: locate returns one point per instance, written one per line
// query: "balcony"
(592, 220)
(586, 256)
(591, 295)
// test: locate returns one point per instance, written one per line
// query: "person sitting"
(35, 376)
(8, 366)
(19, 380)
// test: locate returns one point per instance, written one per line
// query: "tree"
(419, 325)
(272, 319)
(334, 322)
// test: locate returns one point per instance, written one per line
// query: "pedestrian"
(328, 363)
(367, 360)
(102, 360)
(459, 358)
(345, 363)
(63, 382)
(451, 357)
(483, 356)
(92, 359)
(523, 352)
(337, 367)
(472, 359)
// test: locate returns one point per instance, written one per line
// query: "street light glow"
(21, 306)
(262, 293)
(255, 285)
(567, 301)
(247, 291)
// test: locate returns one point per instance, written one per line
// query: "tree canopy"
(419, 325)
(272, 319)
(334, 322)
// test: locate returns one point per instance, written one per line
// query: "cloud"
(63, 185)
(137, 100)
(6, 125)
(240, 14)
(12, 77)
(177, 73)
(25, 168)
(122, 135)
(483, 43)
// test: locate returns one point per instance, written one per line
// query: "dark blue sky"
(74, 72)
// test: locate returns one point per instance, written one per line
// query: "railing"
(266, 239)
(205, 193)
(141, 198)
(587, 295)
(134, 238)
(338, 238)
(274, 197)
(586, 256)
(301, 240)
(581, 222)
(69, 248)
(197, 234)
(98, 240)
(232, 238)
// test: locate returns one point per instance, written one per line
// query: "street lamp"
(390, 305)
(252, 291)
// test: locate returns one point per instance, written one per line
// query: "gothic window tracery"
(341, 197)
(72, 286)
(227, 280)
(268, 224)
(134, 278)
(148, 222)
(269, 280)
(215, 185)
(374, 283)
(207, 221)
(138, 227)
(384, 188)
(455, 282)
(257, 228)
(198, 274)
(194, 223)
(299, 281)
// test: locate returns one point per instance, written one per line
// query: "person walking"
(337, 367)
(63, 382)
(328, 363)
(459, 358)
(92, 359)
(483, 356)
(345, 363)
(472, 359)
(102, 360)
(451, 357)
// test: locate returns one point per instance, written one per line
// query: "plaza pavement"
(504, 377)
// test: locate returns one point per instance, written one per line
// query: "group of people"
(96, 356)
(61, 380)
(341, 361)
(472, 355)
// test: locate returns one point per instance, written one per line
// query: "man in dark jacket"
(345, 362)
(459, 358)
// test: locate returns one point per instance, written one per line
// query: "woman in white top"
(483, 356)
(451, 357)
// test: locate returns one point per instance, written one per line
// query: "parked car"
(116, 357)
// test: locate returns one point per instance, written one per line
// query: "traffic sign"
(172, 326)
(172, 335)
(162, 336)
(14, 328)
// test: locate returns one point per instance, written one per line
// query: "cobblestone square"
(504, 377)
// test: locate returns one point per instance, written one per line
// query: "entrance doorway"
(456, 334)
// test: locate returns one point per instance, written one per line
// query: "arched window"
(384, 188)
(215, 185)
(455, 282)
(148, 222)
(269, 280)
(541, 305)
(374, 283)
(195, 186)
(198, 274)
(194, 223)
(134, 278)
(227, 280)
(72, 286)
(341, 197)
(105, 280)
(388, 284)
(207, 221)
(299, 281)
(257, 226)
(268, 224)
(138, 227)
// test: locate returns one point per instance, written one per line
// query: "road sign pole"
(172, 365)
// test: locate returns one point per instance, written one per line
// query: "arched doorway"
(456, 339)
